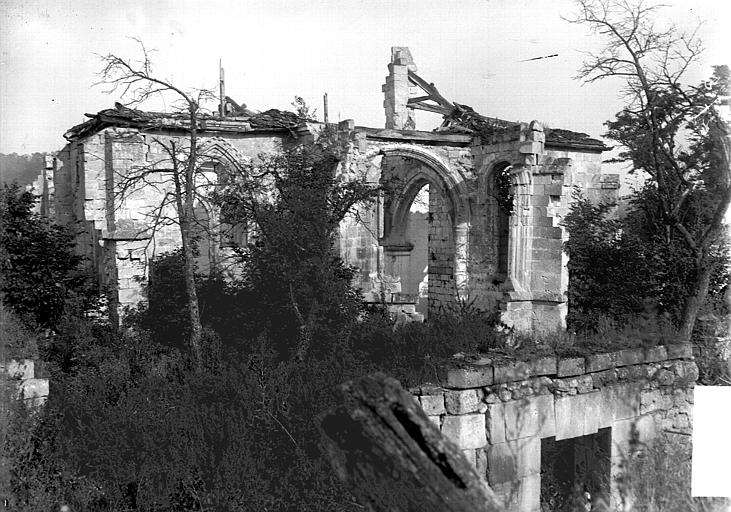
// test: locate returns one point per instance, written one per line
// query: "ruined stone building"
(487, 229)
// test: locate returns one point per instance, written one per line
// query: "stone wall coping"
(484, 370)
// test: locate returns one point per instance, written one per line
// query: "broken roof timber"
(415, 136)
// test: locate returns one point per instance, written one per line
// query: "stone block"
(437, 420)
(34, 389)
(622, 433)
(19, 370)
(543, 366)
(495, 423)
(462, 401)
(513, 460)
(466, 431)
(470, 377)
(577, 415)
(679, 351)
(599, 362)
(570, 366)
(511, 372)
(618, 402)
(534, 416)
(604, 378)
(655, 400)
(481, 462)
(432, 405)
(584, 383)
(529, 494)
(470, 456)
(629, 357)
(654, 354)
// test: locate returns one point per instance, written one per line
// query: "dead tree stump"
(393, 458)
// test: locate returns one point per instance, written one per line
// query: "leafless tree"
(671, 130)
(178, 175)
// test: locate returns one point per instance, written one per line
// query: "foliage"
(39, 272)
(294, 202)
(669, 130)
(657, 478)
(303, 110)
(619, 268)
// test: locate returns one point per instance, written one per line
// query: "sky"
(474, 51)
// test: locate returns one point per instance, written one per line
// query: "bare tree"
(178, 175)
(671, 130)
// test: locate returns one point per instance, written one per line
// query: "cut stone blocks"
(462, 401)
(680, 351)
(570, 366)
(510, 372)
(470, 377)
(598, 362)
(577, 415)
(20, 370)
(432, 405)
(512, 460)
(467, 430)
(530, 417)
(495, 423)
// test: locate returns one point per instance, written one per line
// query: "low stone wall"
(498, 412)
(20, 375)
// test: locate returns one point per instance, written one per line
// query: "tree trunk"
(196, 330)
(695, 300)
(393, 458)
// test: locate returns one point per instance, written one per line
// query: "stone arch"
(407, 169)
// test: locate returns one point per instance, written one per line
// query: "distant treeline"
(20, 168)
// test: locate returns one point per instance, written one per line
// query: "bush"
(40, 276)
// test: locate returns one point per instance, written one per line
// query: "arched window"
(503, 193)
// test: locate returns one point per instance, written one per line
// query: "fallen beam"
(393, 458)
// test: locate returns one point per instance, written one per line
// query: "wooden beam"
(430, 89)
(393, 458)
(415, 136)
(431, 108)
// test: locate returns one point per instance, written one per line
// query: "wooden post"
(393, 458)
(324, 100)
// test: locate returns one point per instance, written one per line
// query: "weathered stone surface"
(570, 366)
(462, 401)
(654, 354)
(470, 377)
(432, 405)
(598, 362)
(577, 415)
(437, 420)
(529, 417)
(467, 430)
(495, 423)
(512, 460)
(664, 377)
(604, 378)
(584, 383)
(654, 400)
(618, 402)
(629, 356)
(19, 370)
(680, 351)
(543, 366)
(510, 372)
(34, 389)
(645, 429)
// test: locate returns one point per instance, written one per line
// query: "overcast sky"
(271, 50)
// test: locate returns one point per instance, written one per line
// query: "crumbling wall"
(113, 225)
(497, 411)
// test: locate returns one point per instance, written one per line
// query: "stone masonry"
(470, 258)
(498, 412)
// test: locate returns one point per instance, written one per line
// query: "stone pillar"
(397, 90)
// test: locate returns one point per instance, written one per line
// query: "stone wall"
(498, 412)
(113, 227)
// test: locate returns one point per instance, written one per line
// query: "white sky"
(272, 50)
